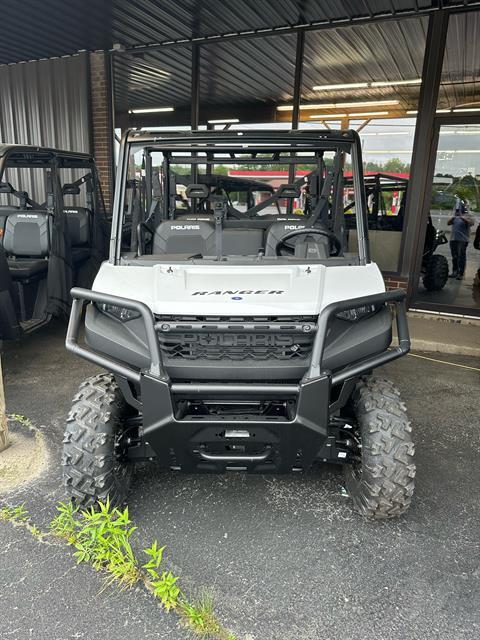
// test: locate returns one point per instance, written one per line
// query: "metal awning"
(247, 53)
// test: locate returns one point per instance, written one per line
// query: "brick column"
(102, 122)
(395, 282)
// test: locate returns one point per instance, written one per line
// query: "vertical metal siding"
(44, 103)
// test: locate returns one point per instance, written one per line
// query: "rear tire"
(436, 273)
(92, 467)
(381, 484)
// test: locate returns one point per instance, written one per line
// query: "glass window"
(368, 77)
(245, 192)
(454, 218)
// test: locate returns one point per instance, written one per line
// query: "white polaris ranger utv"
(238, 321)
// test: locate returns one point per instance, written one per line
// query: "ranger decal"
(245, 292)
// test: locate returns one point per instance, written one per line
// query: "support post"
(4, 441)
(297, 96)
(102, 122)
(195, 104)
(419, 189)
(195, 107)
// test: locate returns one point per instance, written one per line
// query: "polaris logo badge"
(294, 226)
(27, 215)
(183, 227)
(70, 211)
(245, 292)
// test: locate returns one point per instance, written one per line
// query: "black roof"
(235, 139)
(21, 155)
(229, 183)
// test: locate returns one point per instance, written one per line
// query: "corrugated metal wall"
(45, 103)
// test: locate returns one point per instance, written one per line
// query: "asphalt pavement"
(285, 556)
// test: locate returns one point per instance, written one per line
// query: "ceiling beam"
(456, 7)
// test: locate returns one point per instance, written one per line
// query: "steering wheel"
(309, 231)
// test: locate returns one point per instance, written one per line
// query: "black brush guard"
(255, 443)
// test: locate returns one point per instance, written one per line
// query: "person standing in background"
(461, 222)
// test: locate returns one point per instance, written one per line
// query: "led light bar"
(224, 121)
(153, 110)
(365, 85)
(374, 103)
(369, 113)
(332, 87)
(340, 105)
(328, 116)
(388, 83)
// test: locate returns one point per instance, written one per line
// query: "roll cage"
(259, 147)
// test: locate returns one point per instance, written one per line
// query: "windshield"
(250, 202)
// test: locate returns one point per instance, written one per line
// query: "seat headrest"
(197, 191)
(27, 233)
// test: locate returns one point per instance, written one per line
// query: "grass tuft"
(16, 514)
(101, 537)
(24, 421)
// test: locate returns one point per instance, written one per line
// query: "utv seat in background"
(184, 236)
(242, 242)
(26, 242)
(78, 220)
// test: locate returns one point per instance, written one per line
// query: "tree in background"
(395, 165)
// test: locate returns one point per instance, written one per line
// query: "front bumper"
(253, 442)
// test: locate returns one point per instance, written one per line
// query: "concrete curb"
(440, 334)
(437, 347)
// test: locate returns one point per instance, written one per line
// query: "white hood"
(185, 289)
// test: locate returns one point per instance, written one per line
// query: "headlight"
(120, 313)
(357, 313)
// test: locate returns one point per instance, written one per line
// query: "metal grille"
(236, 339)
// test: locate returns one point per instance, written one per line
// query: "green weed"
(101, 536)
(163, 585)
(14, 514)
(23, 420)
(199, 616)
(64, 524)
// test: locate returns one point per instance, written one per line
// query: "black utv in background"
(52, 236)
(382, 188)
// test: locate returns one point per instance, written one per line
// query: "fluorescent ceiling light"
(289, 107)
(224, 121)
(388, 83)
(365, 85)
(464, 110)
(414, 112)
(370, 113)
(339, 105)
(371, 103)
(332, 87)
(153, 110)
(328, 116)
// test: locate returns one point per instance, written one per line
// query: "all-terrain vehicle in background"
(381, 216)
(239, 338)
(51, 237)
(434, 268)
